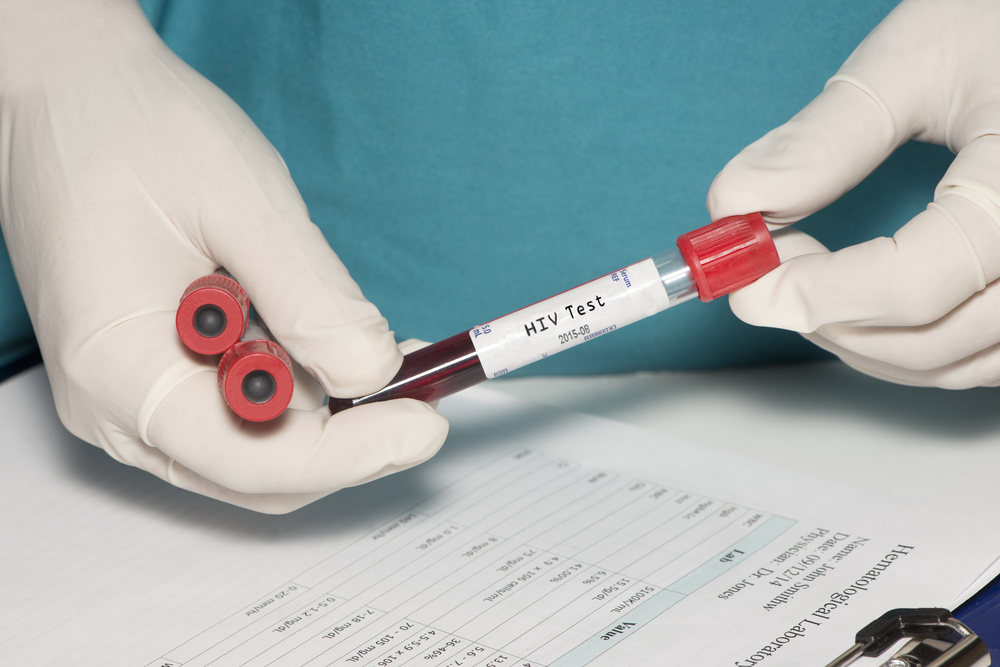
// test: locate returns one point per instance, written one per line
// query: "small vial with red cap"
(255, 373)
(213, 313)
(707, 263)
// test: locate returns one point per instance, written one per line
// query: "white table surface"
(823, 419)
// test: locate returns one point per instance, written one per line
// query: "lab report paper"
(534, 539)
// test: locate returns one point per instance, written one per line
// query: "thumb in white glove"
(124, 175)
(919, 308)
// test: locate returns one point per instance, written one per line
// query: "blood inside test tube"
(428, 374)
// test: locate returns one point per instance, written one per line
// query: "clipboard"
(982, 614)
(936, 637)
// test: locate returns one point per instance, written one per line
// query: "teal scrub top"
(465, 159)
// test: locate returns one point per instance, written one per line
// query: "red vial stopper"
(255, 377)
(213, 314)
(728, 254)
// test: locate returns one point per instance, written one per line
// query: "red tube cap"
(728, 254)
(255, 377)
(213, 314)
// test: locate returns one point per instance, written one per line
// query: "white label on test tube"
(573, 317)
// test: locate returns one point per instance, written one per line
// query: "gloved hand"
(124, 176)
(920, 308)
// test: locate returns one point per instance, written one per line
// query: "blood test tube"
(255, 375)
(213, 313)
(707, 263)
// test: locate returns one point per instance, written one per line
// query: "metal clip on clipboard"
(937, 639)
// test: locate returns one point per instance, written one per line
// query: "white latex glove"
(920, 308)
(124, 176)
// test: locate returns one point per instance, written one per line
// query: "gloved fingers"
(978, 370)
(412, 345)
(134, 452)
(754, 302)
(307, 393)
(749, 303)
(924, 64)
(300, 287)
(974, 177)
(791, 243)
(918, 75)
(969, 196)
(265, 503)
(876, 369)
(253, 222)
(111, 380)
(967, 330)
(208, 438)
(809, 162)
(230, 201)
(300, 451)
(928, 268)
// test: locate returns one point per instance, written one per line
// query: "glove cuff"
(170, 380)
